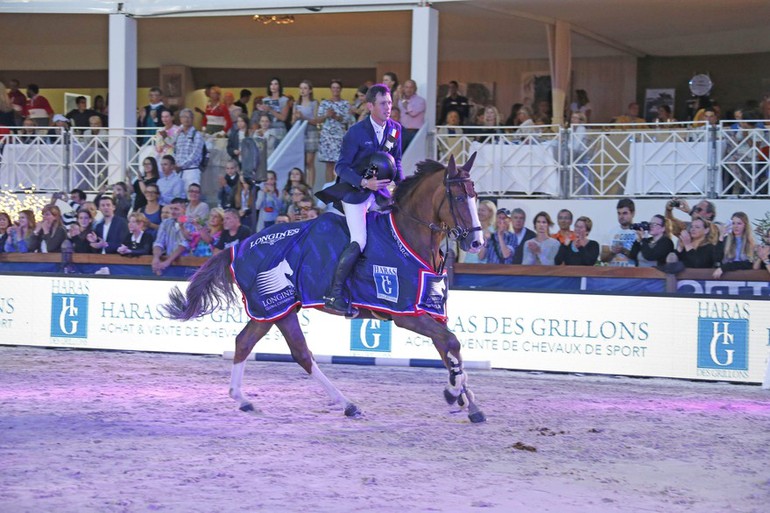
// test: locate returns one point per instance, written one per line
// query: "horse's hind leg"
(448, 348)
(292, 332)
(244, 343)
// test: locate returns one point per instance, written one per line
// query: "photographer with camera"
(705, 210)
(618, 253)
(652, 250)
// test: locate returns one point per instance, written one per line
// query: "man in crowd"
(243, 101)
(37, 108)
(631, 117)
(564, 220)
(188, 149)
(232, 230)
(704, 209)
(110, 232)
(80, 115)
(150, 115)
(170, 240)
(622, 238)
(454, 101)
(499, 247)
(521, 234)
(412, 108)
(169, 184)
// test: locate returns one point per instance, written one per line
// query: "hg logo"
(69, 316)
(723, 344)
(370, 335)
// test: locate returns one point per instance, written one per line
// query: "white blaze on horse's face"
(477, 236)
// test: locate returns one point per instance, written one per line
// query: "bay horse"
(436, 203)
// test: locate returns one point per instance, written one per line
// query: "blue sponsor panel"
(69, 316)
(724, 288)
(723, 343)
(370, 335)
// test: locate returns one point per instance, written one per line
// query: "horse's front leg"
(292, 332)
(448, 348)
(244, 343)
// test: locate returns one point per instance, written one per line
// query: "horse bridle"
(457, 232)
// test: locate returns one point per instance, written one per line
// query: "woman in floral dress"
(335, 115)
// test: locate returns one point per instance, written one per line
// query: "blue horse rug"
(292, 264)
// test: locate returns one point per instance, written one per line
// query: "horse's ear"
(468, 165)
(451, 166)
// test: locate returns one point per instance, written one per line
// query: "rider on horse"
(364, 171)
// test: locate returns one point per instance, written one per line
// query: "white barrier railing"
(585, 161)
(688, 159)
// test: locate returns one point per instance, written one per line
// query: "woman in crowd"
(7, 114)
(543, 248)
(100, 106)
(263, 131)
(452, 140)
(196, 209)
(48, 235)
(296, 177)
(513, 117)
(694, 250)
(138, 242)
(269, 202)
(763, 251)
(652, 251)
(490, 125)
(78, 232)
(209, 233)
(582, 104)
(152, 210)
(486, 211)
(20, 235)
(276, 105)
(737, 251)
(307, 109)
(147, 176)
(581, 250)
(245, 197)
(359, 109)
(5, 224)
(216, 118)
(334, 114)
(297, 193)
(390, 79)
(237, 134)
(164, 138)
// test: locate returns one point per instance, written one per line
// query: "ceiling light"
(276, 19)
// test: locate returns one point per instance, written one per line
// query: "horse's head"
(461, 213)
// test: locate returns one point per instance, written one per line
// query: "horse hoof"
(351, 410)
(450, 399)
(247, 407)
(477, 417)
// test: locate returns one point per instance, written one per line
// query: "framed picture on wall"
(654, 98)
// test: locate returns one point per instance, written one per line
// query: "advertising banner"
(680, 337)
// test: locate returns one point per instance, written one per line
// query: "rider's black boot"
(333, 299)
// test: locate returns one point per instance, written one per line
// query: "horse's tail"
(211, 288)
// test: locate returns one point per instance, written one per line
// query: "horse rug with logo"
(292, 264)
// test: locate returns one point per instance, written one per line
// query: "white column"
(425, 69)
(122, 91)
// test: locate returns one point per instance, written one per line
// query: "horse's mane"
(424, 169)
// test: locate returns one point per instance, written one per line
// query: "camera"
(644, 226)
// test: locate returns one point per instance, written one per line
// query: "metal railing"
(604, 161)
(584, 161)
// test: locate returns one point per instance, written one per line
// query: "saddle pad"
(292, 264)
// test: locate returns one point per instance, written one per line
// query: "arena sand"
(92, 431)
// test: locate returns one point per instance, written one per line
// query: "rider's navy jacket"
(358, 146)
